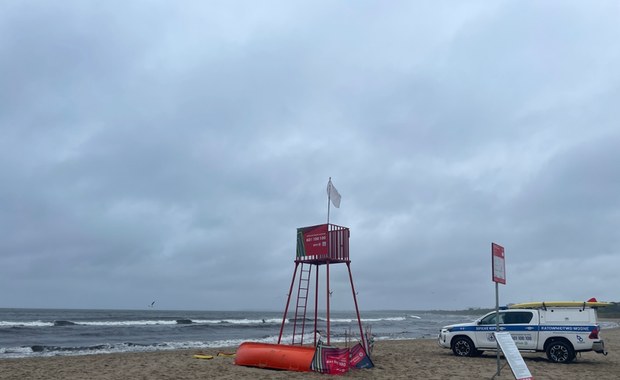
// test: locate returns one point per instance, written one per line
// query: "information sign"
(498, 263)
(513, 356)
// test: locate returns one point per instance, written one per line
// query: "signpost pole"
(498, 269)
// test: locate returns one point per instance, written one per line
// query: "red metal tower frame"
(323, 244)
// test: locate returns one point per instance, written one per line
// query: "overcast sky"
(169, 150)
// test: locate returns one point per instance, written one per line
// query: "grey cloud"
(148, 151)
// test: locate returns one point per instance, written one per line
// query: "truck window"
(490, 319)
(518, 317)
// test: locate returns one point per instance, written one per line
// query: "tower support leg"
(290, 292)
(357, 310)
(316, 303)
(328, 316)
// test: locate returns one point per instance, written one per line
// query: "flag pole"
(329, 198)
(329, 184)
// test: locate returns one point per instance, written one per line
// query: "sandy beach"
(406, 359)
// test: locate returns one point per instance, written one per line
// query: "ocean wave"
(64, 323)
(15, 352)
(53, 350)
(50, 350)
(394, 319)
(32, 333)
(132, 323)
(45, 351)
(243, 321)
(350, 320)
(609, 324)
(197, 323)
(127, 323)
(25, 324)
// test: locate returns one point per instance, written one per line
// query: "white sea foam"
(609, 324)
(127, 323)
(383, 319)
(350, 320)
(131, 323)
(25, 324)
(237, 321)
(16, 351)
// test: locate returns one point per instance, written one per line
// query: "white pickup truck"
(561, 332)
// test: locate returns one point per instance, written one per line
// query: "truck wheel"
(560, 352)
(463, 346)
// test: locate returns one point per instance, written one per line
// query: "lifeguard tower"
(320, 245)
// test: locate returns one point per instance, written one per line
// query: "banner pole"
(329, 184)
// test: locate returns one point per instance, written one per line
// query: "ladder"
(302, 303)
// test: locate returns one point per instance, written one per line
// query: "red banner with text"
(315, 240)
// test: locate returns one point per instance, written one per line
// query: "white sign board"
(498, 263)
(513, 356)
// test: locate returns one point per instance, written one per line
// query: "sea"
(56, 332)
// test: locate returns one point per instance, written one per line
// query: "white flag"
(333, 194)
